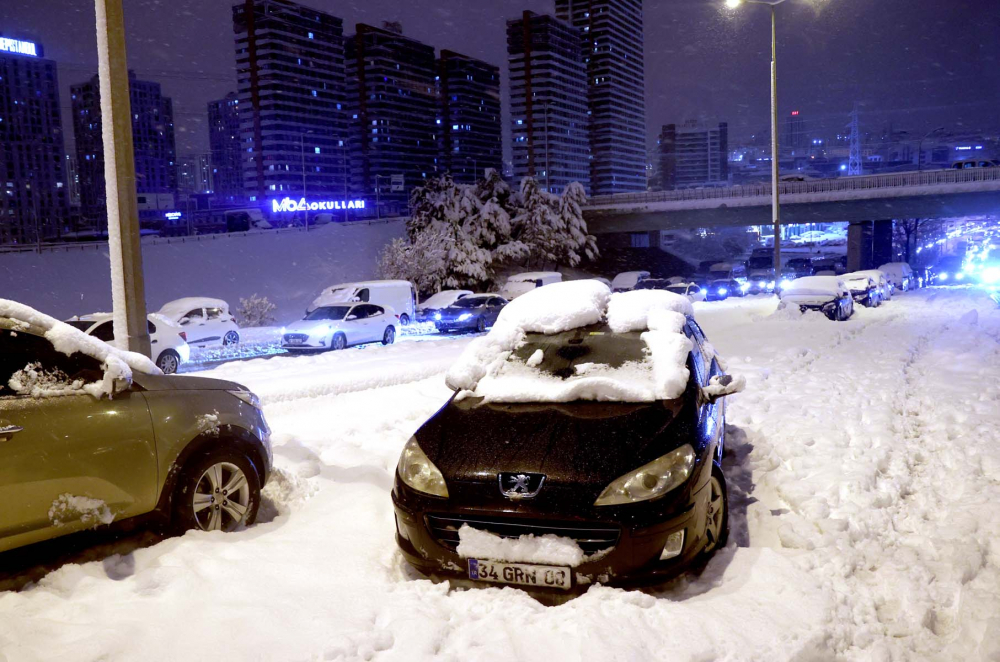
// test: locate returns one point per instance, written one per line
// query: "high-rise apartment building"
(224, 142)
(470, 129)
(795, 132)
(693, 154)
(194, 173)
(393, 109)
(33, 186)
(548, 102)
(290, 73)
(152, 142)
(613, 51)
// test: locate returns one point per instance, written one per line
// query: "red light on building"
(795, 112)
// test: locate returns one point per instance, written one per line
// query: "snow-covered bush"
(255, 311)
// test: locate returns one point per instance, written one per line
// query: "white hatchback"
(166, 339)
(339, 325)
(206, 321)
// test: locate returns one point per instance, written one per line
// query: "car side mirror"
(120, 385)
(184, 321)
(350, 318)
(720, 386)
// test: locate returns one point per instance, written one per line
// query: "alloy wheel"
(231, 338)
(339, 342)
(168, 363)
(716, 513)
(389, 336)
(221, 498)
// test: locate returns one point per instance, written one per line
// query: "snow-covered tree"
(255, 311)
(535, 221)
(421, 261)
(571, 237)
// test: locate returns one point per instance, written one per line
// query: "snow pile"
(656, 310)
(631, 382)
(548, 549)
(557, 307)
(69, 508)
(117, 364)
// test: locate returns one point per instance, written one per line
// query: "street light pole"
(302, 156)
(775, 207)
(920, 147)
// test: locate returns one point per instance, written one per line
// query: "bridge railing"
(763, 189)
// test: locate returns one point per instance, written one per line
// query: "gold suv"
(91, 435)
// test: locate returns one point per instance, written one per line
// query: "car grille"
(590, 537)
(301, 337)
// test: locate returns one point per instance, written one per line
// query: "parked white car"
(827, 294)
(882, 281)
(442, 299)
(337, 326)
(901, 275)
(166, 339)
(692, 291)
(400, 295)
(627, 280)
(205, 320)
(519, 284)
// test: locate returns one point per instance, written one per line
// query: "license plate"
(295, 341)
(524, 574)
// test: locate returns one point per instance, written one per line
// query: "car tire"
(203, 497)
(480, 325)
(168, 361)
(339, 341)
(389, 336)
(404, 320)
(231, 338)
(717, 517)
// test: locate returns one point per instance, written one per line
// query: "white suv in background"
(166, 339)
(206, 321)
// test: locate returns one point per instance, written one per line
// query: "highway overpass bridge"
(927, 194)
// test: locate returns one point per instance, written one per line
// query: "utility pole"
(127, 285)
(854, 162)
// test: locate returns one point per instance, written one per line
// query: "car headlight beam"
(650, 480)
(416, 470)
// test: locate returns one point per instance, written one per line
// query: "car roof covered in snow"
(180, 307)
(484, 369)
(831, 286)
(870, 273)
(158, 318)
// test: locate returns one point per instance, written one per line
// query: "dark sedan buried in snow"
(474, 312)
(636, 486)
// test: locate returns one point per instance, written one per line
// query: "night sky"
(916, 64)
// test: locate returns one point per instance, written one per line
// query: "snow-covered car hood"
(857, 283)
(185, 383)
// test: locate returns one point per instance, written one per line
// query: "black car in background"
(473, 312)
(638, 485)
(798, 267)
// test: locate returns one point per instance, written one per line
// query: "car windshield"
(470, 302)
(719, 274)
(761, 262)
(328, 313)
(678, 289)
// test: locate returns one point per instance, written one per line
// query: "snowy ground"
(864, 473)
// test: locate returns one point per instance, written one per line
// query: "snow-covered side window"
(39, 382)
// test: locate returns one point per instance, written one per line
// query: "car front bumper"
(426, 534)
(455, 325)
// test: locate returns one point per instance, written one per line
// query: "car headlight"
(417, 471)
(464, 316)
(722, 290)
(745, 286)
(437, 316)
(650, 480)
(760, 283)
(943, 276)
(248, 397)
(770, 284)
(785, 283)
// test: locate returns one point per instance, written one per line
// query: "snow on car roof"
(438, 299)
(658, 317)
(814, 286)
(181, 307)
(118, 364)
(865, 273)
(159, 318)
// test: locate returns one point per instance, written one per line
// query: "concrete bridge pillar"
(869, 244)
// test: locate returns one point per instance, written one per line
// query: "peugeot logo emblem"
(520, 485)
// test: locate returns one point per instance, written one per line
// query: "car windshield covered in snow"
(334, 313)
(578, 352)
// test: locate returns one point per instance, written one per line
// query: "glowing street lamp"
(734, 4)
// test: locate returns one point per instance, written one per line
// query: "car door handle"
(8, 431)
(153, 342)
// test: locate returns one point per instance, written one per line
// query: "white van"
(627, 280)
(519, 284)
(400, 295)
(901, 275)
